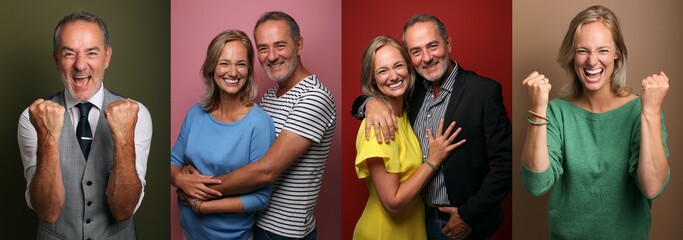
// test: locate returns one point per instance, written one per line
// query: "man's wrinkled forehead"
(82, 28)
(273, 28)
(422, 33)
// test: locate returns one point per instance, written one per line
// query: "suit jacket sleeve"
(498, 182)
(358, 108)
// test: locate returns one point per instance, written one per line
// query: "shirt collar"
(447, 85)
(97, 100)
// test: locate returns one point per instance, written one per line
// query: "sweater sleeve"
(263, 135)
(635, 155)
(538, 183)
(178, 151)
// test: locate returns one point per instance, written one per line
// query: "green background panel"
(139, 69)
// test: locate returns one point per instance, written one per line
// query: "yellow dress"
(402, 156)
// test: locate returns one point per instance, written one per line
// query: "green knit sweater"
(593, 173)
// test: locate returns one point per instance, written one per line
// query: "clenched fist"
(538, 87)
(654, 91)
(48, 119)
(122, 116)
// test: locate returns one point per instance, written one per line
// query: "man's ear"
(448, 43)
(107, 56)
(299, 46)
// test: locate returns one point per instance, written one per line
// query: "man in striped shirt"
(304, 115)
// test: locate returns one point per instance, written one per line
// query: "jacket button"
(88, 221)
(89, 203)
(88, 183)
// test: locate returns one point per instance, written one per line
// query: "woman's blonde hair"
(565, 58)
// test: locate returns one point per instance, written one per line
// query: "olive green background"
(139, 69)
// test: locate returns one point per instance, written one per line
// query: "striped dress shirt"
(432, 111)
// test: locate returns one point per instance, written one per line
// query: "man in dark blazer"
(463, 198)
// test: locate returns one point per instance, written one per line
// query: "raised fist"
(654, 91)
(538, 87)
(122, 116)
(47, 117)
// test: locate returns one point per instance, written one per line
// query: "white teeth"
(593, 71)
(231, 81)
(397, 84)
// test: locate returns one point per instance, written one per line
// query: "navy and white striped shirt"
(306, 110)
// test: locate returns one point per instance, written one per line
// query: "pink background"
(195, 23)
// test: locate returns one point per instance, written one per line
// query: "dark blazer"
(478, 174)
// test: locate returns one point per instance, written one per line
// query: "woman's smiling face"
(594, 56)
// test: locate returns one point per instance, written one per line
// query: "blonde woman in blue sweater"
(221, 134)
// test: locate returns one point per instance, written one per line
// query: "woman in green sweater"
(599, 147)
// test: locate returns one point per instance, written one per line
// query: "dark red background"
(481, 40)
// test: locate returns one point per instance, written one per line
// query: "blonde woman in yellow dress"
(395, 172)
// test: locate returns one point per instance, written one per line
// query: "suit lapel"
(456, 95)
(417, 99)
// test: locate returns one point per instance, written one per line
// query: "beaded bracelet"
(195, 202)
(430, 165)
(198, 209)
(537, 123)
(538, 115)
